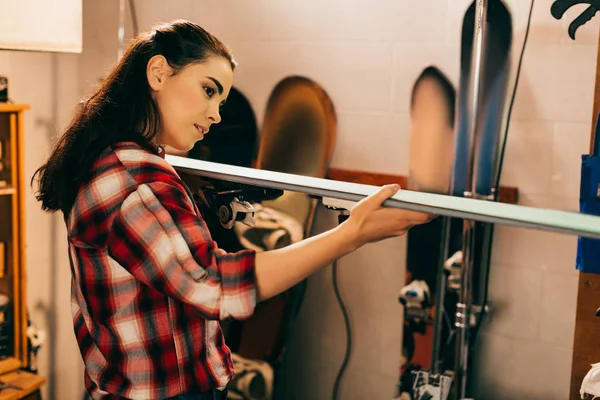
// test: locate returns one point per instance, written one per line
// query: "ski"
(485, 62)
(242, 179)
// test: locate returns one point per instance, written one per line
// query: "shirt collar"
(158, 149)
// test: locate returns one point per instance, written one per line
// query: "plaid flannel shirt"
(149, 285)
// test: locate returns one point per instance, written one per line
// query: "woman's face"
(188, 101)
(431, 139)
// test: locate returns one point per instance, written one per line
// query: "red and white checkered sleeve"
(159, 239)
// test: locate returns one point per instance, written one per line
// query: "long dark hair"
(121, 109)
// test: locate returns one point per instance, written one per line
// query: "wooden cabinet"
(13, 300)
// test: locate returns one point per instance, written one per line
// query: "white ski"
(474, 209)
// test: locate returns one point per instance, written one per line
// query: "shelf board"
(26, 381)
(9, 107)
(7, 190)
(9, 364)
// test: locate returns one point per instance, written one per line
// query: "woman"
(149, 285)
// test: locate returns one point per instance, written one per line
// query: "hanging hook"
(560, 7)
(584, 17)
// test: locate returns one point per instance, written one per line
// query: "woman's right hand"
(370, 222)
(278, 270)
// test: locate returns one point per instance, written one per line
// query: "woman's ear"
(156, 71)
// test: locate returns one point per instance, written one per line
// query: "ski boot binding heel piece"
(428, 386)
(452, 268)
(416, 299)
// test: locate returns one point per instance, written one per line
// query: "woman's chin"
(178, 151)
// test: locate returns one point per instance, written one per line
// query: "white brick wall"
(367, 55)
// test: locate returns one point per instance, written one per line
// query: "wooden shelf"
(8, 365)
(13, 279)
(7, 190)
(9, 107)
(506, 195)
(27, 383)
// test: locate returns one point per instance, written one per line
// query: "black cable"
(336, 385)
(512, 100)
(497, 183)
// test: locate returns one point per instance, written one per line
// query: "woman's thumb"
(384, 193)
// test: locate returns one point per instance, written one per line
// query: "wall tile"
(357, 90)
(359, 385)
(528, 157)
(537, 93)
(564, 203)
(515, 301)
(154, 12)
(425, 23)
(100, 50)
(372, 142)
(531, 248)
(296, 20)
(558, 309)
(540, 372)
(5, 68)
(391, 341)
(302, 55)
(520, 369)
(493, 365)
(382, 268)
(367, 350)
(576, 72)
(331, 334)
(570, 142)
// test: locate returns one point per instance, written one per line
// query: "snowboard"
(297, 137)
(233, 141)
(432, 105)
(436, 339)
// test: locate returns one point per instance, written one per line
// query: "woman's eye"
(209, 91)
